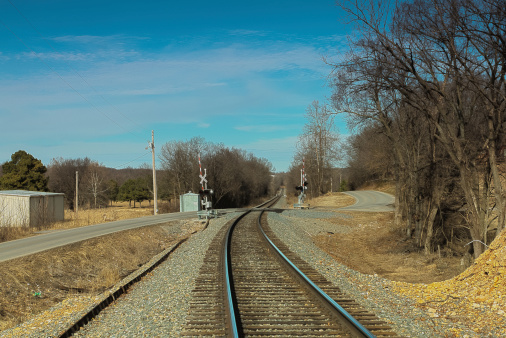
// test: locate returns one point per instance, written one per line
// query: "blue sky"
(93, 78)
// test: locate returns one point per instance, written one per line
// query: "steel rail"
(274, 300)
(234, 326)
(359, 328)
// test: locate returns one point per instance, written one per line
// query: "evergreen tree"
(112, 191)
(23, 172)
(134, 190)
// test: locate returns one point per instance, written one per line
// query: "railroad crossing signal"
(302, 187)
(303, 183)
(203, 178)
(204, 192)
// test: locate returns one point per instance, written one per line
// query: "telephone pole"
(77, 193)
(155, 194)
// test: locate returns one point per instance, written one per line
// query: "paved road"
(369, 200)
(31, 245)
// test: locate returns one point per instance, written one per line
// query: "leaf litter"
(475, 298)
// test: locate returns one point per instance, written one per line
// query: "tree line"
(236, 177)
(424, 86)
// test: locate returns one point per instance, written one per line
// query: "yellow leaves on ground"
(476, 298)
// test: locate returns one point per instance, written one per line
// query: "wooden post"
(155, 194)
(77, 194)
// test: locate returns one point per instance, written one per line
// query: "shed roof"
(190, 194)
(28, 193)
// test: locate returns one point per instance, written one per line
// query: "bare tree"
(62, 177)
(427, 53)
(318, 145)
(95, 183)
(482, 25)
(180, 161)
(235, 176)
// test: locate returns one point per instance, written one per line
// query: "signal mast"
(205, 193)
(303, 186)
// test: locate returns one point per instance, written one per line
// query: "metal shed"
(30, 208)
(189, 202)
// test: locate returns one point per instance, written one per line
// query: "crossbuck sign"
(203, 178)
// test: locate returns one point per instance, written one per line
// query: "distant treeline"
(236, 177)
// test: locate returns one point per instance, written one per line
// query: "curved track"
(266, 295)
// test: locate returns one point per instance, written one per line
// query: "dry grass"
(383, 186)
(12, 233)
(32, 284)
(290, 200)
(332, 200)
(373, 246)
(118, 211)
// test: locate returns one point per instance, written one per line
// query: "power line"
(125, 164)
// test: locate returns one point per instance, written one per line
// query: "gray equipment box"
(189, 202)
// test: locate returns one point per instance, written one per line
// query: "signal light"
(206, 192)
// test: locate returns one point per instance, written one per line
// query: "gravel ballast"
(157, 307)
(371, 291)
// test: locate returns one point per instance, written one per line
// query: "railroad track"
(261, 297)
(251, 285)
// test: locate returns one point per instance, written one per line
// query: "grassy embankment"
(80, 271)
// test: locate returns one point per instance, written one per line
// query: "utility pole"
(77, 193)
(155, 194)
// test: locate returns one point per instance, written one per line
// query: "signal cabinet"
(190, 202)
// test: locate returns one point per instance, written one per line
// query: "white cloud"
(86, 39)
(170, 87)
(97, 40)
(59, 56)
(4, 57)
(247, 32)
